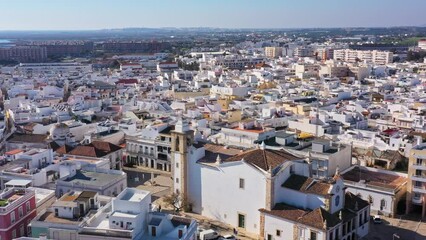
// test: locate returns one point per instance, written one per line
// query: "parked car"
(228, 237)
(377, 219)
(208, 234)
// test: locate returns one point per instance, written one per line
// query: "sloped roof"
(263, 158)
(54, 146)
(307, 185)
(379, 179)
(316, 218)
(63, 149)
(105, 146)
(353, 202)
(94, 149)
(29, 138)
(87, 151)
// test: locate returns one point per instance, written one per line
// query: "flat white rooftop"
(133, 195)
(124, 215)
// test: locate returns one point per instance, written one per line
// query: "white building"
(53, 67)
(103, 181)
(267, 178)
(132, 216)
(246, 135)
(375, 56)
(384, 190)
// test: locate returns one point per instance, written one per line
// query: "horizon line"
(224, 28)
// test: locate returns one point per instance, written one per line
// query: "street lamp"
(395, 236)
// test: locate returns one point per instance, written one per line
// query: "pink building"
(17, 209)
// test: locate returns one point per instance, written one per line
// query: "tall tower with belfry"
(182, 140)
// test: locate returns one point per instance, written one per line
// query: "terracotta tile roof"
(212, 150)
(54, 146)
(373, 178)
(263, 158)
(87, 151)
(105, 146)
(286, 211)
(317, 217)
(313, 218)
(28, 138)
(94, 149)
(307, 185)
(14, 151)
(354, 203)
(64, 149)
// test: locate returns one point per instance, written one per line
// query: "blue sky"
(101, 14)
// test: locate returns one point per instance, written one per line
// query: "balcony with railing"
(419, 189)
(420, 165)
(420, 177)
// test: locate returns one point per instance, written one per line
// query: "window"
(301, 232)
(12, 217)
(14, 233)
(337, 202)
(177, 165)
(180, 233)
(21, 231)
(313, 236)
(153, 231)
(177, 180)
(241, 220)
(292, 169)
(418, 172)
(382, 204)
(269, 237)
(278, 233)
(242, 183)
(365, 216)
(21, 211)
(28, 206)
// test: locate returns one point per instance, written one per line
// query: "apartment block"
(352, 56)
(416, 188)
(273, 52)
(17, 209)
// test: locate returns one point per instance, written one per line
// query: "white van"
(208, 234)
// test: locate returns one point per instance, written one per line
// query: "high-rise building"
(416, 188)
(65, 48)
(273, 52)
(351, 56)
(24, 54)
(422, 44)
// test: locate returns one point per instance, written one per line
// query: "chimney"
(218, 159)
